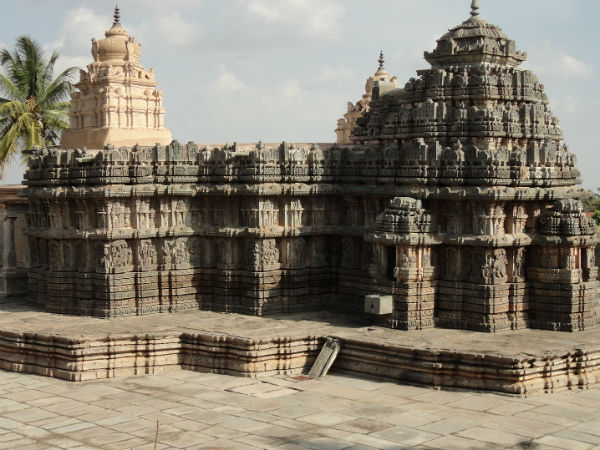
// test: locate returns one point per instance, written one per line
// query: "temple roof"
(475, 41)
(118, 46)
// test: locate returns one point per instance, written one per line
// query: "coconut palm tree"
(33, 106)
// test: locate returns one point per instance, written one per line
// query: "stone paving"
(209, 411)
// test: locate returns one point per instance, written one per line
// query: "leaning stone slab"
(326, 357)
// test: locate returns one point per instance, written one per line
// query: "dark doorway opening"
(391, 262)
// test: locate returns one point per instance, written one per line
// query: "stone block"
(379, 304)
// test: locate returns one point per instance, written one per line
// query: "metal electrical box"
(379, 304)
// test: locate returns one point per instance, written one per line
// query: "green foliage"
(34, 107)
(596, 217)
(592, 203)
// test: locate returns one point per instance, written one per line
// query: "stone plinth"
(85, 348)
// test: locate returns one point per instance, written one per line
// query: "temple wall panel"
(285, 228)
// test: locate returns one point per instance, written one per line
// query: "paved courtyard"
(207, 411)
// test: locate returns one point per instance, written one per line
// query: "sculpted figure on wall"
(120, 255)
(147, 253)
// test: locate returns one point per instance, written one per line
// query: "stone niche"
(457, 197)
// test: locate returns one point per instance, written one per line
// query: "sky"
(275, 70)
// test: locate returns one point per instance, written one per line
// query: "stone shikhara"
(347, 124)
(456, 196)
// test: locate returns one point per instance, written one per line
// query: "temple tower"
(494, 193)
(117, 102)
(346, 124)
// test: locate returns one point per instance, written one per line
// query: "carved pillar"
(562, 272)
(413, 290)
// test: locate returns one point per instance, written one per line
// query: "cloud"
(78, 27)
(573, 68)
(321, 19)
(14, 172)
(74, 38)
(65, 62)
(571, 103)
(228, 82)
(289, 89)
(171, 28)
(565, 105)
(548, 62)
(80, 24)
(335, 73)
(179, 32)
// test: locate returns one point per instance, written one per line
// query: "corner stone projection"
(456, 196)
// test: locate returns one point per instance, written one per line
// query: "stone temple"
(454, 203)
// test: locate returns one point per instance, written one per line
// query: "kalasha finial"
(474, 8)
(381, 60)
(117, 15)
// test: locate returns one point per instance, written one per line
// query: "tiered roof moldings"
(475, 41)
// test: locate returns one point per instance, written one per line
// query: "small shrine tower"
(346, 124)
(117, 102)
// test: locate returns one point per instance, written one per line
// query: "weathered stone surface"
(325, 358)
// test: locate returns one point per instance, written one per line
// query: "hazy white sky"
(244, 70)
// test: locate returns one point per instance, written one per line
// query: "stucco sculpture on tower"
(117, 102)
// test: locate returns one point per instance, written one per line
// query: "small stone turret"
(117, 102)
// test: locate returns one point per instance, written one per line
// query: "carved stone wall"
(14, 251)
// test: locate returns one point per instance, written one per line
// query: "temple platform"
(86, 348)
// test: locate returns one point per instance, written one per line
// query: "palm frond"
(33, 107)
(13, 109)
(9, 89)
(62, 106)
(51, 62)
(57, 120)
(12, 65)
(33, 70)
(12, 143)
(59, 89)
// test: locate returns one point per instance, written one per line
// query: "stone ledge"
(46, 344)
